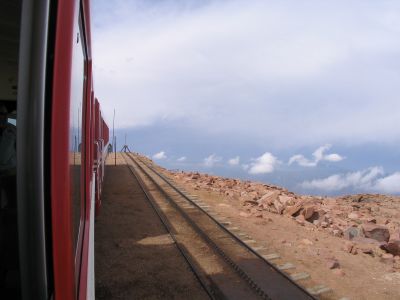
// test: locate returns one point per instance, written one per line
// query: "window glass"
(76, 104)
(12, 121)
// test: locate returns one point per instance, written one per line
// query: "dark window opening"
(10, 18)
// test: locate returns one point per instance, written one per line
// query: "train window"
(12, 121)
(75, 132)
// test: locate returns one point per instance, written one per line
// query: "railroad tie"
(250, 241)
(271, 256)
(232, 228)
(204, 206)
(318, 290)
(286, 266)
(242, 234)
(300, 276)
(258, 248)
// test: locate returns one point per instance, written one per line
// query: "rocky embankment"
(368, 223)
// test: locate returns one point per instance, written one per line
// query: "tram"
(49, 197)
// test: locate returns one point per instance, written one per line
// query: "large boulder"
(308, 211)
(279, 206)
(376, 232)
(294, 209)
(268, 198)
(286, 200)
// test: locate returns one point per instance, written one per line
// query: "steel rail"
(258, 291)
(304, 294)
(210, 292)
(225, 229)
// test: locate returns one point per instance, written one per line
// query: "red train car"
(47, 226)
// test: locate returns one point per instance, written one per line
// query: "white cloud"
(211, 160)
(174, 51)
(369, 180)
(334, 157)
(302, 161)
(181, 159)
(264, 164)
(389, 184)
(234, 161)
(319, 155)
(160, 155)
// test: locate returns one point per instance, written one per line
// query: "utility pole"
(114, 142)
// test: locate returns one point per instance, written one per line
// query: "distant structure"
(125, 148)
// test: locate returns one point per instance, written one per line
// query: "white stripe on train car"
(91, 279)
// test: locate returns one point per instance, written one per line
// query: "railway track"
(225, 265)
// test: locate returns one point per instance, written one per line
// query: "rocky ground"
(370, 222)
(351, 243)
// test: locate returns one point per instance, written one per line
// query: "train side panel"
(72, 159)
(62, 146)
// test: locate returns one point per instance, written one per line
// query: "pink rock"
(286, 200)
(332, 263)
(268, 198)
(243, 214)
(279, 206)
(393, 247)
(353, 216)
(377, 232)
(251, 202)
(348, 247)
(294, 209)
(387, 258)
(336, 232)
(300, 219)
(395, 236)
(258, 215)
(307, 242)
(308, 211)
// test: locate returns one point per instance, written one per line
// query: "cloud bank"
(318, 71)
(372, 179)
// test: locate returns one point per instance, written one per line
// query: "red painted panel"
(63, 258)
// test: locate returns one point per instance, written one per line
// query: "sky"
(299, 93)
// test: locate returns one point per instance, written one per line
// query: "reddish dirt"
(134, 256)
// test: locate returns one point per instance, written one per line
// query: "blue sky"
(301, 93)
